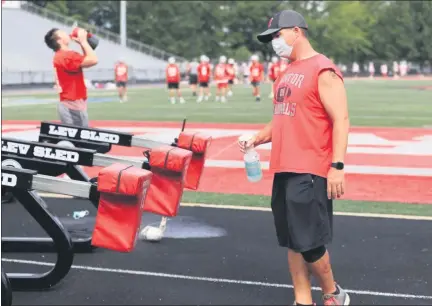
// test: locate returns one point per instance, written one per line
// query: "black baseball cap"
(283, 19)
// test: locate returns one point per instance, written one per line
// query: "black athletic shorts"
(173, 85)
(121, 84)
(303, 214)
(231, 82)
(193, 79)
(255, 84)
(204, 84)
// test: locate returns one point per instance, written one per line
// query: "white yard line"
(214, 280)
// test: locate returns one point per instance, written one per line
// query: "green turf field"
(372, 103)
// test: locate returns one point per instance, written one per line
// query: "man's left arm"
(333, 96)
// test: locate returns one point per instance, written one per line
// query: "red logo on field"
(269, 23)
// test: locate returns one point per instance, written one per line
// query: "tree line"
(346, 31)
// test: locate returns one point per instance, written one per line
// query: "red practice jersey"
(256, 72)
(221, 75)
(172, 73)
(302, 129)
(204, 72)
(274, 71)
(230, 72)
(70, 76)
(121, 72)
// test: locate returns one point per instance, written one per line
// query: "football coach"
(309, 136)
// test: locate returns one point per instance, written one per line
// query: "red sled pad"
(123, 191)
(168, 165)
(198, 144)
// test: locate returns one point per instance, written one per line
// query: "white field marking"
(215, 280)
(355, 169)
(368, 215)
(390, 117)
(267, 209)
(18, 126)
(352, 169)
(358, 143)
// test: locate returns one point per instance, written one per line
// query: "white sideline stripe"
(355, 169)
(349, 214)
(267, 209)
(215, 280)
(352, 169)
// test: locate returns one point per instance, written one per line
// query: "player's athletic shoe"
(172, 100)
(342, 298)
(223, 100)
(182, 100)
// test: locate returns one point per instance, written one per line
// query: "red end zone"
(383, 164)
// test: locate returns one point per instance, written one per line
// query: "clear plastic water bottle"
(80, 214)
(252, 165)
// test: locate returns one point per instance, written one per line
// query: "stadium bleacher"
(26, 59)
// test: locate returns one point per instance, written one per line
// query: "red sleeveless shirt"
(302, 130)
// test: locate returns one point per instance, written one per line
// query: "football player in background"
(221, 78)
(256, 76)
(273, 72)
(193, 75)
(204, 72)
(121, 78)
(230, 69)
(173, 81)
(283, 65)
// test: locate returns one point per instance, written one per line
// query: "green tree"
(344, 30)
(59, 6)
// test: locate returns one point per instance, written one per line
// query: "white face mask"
(281, 47)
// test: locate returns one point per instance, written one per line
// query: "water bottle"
(91, 39)
(252, 165)
(80, 214)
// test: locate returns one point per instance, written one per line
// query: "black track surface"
(368, 254)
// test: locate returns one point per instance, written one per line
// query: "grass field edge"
(268, 209)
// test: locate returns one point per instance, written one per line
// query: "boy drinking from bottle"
(68, 70)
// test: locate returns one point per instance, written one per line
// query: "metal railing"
(98, 31)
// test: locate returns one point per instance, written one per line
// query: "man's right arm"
(90, 57)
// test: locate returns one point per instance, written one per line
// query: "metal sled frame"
(55, 168)
(86, 157)
(23, 191)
